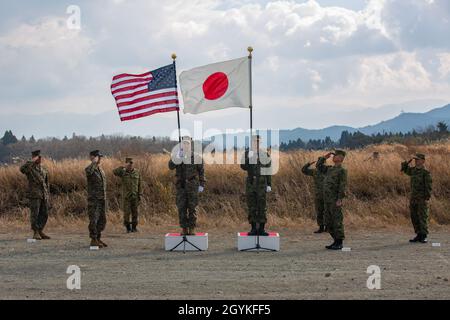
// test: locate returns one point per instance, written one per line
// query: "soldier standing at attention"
(258, 183)
(38, 194)
(318, 193)
(131, 193)
(96, 188)
(334, 185)
(190, 181)
(421, 186)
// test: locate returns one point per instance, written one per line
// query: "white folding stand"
(259, 243)
(178, 242)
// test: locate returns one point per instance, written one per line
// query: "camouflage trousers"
(97, 217)
(320, 209)
(334, 219)
(256, 201)
(130, 211)
(187, 201)
(419, 215)
(38, 213)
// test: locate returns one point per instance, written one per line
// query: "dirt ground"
(136, 267)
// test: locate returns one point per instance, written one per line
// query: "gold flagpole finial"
(174, 56)
(250, 51)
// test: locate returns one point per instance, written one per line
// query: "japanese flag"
(216, 86)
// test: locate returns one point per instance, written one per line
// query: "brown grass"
(377, 193)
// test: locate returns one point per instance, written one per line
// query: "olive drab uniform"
(256, 185)
(131, 194)
(189, 174)
(421, 186)
(318, 177)
(38, 194)
(334, 186)
(96, 188)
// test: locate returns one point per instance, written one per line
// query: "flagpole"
(174, 58)
(250, 56)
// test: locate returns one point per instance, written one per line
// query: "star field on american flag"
(145, 94)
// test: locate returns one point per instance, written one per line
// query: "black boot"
(423, 238)
(416, 239)
(128, 226)
(262, 232)
(254, 231)
(134, 229)
(321, 230)
(338, 245)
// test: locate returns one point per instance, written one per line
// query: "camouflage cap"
(36, 153)
(420, 156)
(340, 153)
(128, 160)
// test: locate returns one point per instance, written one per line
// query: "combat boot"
(254, 231)
(101, 243)
(262, 232)
(338, 245)
(134, 229)
(36, 235)
(43, 235)
(191, 231)
(184, 232)
(423, 238)
(94, 243)
(128, 226)
(416, 239)
(321, 230)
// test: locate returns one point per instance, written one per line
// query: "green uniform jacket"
(421, 182)
(96, 182)
(318, 178)
(38, 185)
(188, 172)
(335, 181)
(131, 183)
(253, 167)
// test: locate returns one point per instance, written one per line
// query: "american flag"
(141, 95)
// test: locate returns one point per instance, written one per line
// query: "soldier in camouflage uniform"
(190, 181)
(318, 193)
(421, 186)
(334, 186)
(38, 194)
(131, 193)
(96, 188)
(257, 164)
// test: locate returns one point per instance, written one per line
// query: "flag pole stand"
(174, 58)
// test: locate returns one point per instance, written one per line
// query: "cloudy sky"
(316, 62)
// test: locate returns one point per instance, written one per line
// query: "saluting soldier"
(421, 187)
(190, 181)
(96, 188)
(38, 194)
(257, 164)
(334, 188)
(131, 193)
(318, 177)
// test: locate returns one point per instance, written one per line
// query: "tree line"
(358, 139)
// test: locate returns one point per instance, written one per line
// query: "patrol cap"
(419, 156)
(36, 153)
(340, 153)
(95, 153)
(128, 160)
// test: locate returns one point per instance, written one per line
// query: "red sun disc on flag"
(215, 86)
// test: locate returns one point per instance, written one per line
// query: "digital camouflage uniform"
(189, 176)
(131, 194)
(334, 185)
(421, 186)
(96, 188)
(38, 194)
(318, 191)
(256, 186)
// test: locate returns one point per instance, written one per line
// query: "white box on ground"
(94, 248)
(246, 242)
(200, 240)
(31, 240)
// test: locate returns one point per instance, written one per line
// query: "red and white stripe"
(134, 100)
